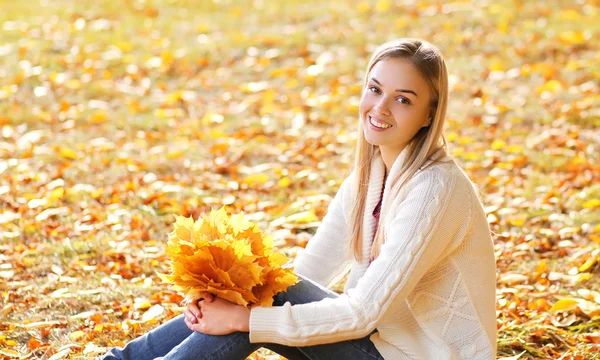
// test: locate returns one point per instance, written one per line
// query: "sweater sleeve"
(327, 254)
(414, 243)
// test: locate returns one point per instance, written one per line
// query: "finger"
(188, 324)
(198, 327)
(189, 316)
(194, 309)
(207, 296)
(195, 295)
(203, 305)
(193, 327)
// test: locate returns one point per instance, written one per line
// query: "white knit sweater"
(430, 293)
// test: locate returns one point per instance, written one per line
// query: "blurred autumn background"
(116, 115)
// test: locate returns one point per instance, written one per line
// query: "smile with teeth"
(378, 124)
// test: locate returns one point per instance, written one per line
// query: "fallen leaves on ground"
(116, 116)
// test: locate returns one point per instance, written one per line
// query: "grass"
(147, 152)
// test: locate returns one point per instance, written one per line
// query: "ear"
(429, 120)
(432, 111)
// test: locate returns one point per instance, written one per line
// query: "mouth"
(378, 125)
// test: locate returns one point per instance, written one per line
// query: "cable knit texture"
(430, 293)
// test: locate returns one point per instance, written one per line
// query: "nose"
(382, 106)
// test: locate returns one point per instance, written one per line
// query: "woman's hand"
(215, 316)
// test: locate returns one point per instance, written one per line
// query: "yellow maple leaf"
(228, 256)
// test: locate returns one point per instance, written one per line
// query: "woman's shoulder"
(444, 170)
(444, 178)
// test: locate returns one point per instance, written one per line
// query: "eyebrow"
(398, 90)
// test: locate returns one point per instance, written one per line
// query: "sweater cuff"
(264, 321)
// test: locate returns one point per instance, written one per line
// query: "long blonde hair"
(430, 63)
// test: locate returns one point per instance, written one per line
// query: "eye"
(404, 100)
(401, 99)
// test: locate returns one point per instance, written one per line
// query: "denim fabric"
(173, 340)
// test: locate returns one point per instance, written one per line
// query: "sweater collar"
(374, 188)
(376, 184)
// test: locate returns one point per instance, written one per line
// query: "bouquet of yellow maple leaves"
(227, 256)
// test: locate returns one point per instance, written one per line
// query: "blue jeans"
(173, 340)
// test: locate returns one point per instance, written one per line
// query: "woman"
(421, 285)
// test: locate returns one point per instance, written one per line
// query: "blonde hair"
(429, 62)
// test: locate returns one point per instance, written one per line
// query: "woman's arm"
(427, 223)
(327, 254)
(324, 258)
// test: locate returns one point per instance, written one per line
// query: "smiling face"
(395, 104)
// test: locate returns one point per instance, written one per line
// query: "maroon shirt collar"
(377, 210)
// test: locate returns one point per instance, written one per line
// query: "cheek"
(410, 119)
(365, 104)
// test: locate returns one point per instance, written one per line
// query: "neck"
(389, 155)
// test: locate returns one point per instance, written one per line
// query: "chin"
(372, 141)
(369, 136)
